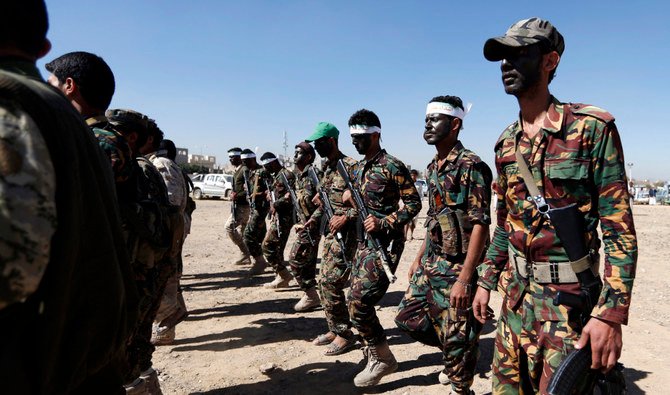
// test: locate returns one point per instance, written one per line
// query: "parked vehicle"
(421, 187)
(212, 185)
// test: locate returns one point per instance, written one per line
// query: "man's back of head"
(90, 73)
(23, 29)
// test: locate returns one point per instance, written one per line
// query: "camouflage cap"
(525, 32)
(128, 120)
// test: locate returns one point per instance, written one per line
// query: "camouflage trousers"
(255, 231)
(531, 341)
(275, 241)
(368, 285)
(425, 313)
(236, 226)
(152, 271)
(333, 279)
(302, 259)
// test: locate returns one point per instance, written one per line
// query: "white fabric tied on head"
(248, 156)
(447, 109)
(363, 129)
(234, 153)
(268, 161)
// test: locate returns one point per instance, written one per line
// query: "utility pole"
(630, 171)
(285, 145)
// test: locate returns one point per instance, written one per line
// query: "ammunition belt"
(549, 272)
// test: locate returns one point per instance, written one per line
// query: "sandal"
(335, 349)
(324, 339)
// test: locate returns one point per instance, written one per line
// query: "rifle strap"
(528, 179)
(579, 265)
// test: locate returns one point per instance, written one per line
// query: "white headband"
(362, 129)
(267, 161)
(234, 153)
(248, 156)
(447, 109)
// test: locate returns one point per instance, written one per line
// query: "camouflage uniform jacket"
(577, 158)
(383, 181)
(154, 202)
(115, 147)
(257, 178)
(333, 184)
(27, 202)
(173, 179)
(305, 190)
(238, 185)
(283, 203)
(462, 186)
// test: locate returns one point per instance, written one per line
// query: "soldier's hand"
(336, 223)
(480, 304)
(268, 196)
(606, 343)
(316, 200)
(372, 224)
(310, 223)
(233, 195)
(459, 296)
(272, 209)
(412, 269)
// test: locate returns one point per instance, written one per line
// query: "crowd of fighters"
(94, 212)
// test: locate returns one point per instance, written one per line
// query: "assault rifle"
(574, 375)
(233, 212)
(328, 208)
(273, 199)
(296, 204)
(248, 190)
(363, 214)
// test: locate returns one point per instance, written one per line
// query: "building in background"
(182, 156)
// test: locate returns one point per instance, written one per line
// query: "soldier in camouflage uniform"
(436, 308)
(172, 308)
(54, 181)
(335, 263)
(239, 217)
(281, 219)
(575, 154)
(151, 268)
(255, 231)
(302, 259)
(383, 181)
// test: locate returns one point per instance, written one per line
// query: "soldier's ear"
(46, 47)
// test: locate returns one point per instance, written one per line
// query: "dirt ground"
(235, 326)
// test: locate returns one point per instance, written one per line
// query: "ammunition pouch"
(449, 231)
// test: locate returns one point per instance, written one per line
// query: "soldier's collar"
(452, 156)
(90, 121)
(553, 122)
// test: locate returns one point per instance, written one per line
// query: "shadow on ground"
(265, 331)
(284, 306)
(213, 281)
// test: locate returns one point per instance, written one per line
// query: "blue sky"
(218, 74)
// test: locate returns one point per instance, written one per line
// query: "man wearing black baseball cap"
(555, 156)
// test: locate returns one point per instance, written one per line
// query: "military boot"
(259, 265)
(281, 280)
(309, 301)
(153, 385)
(244, 259)
(137, 387)
(163, 336)
(380, 363)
